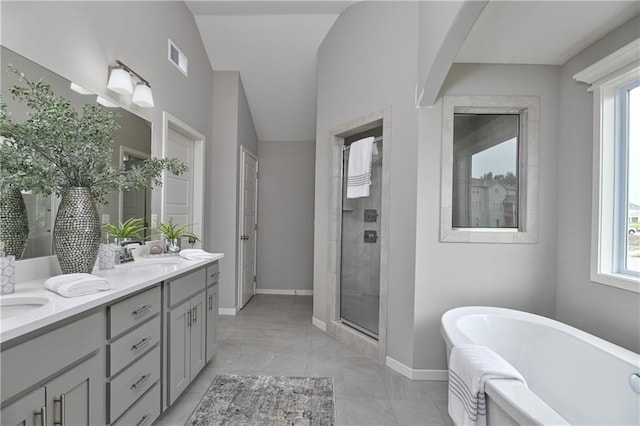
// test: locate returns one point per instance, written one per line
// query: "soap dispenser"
(7, 271)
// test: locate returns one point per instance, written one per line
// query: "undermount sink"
(152, 266)
(13, 306)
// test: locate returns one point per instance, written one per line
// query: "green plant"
(57, 148)
(172, 231)
(131, 228)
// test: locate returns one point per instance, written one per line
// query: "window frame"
(604, 78)
(528, 108)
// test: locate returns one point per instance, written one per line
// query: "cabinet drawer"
(133, 344)
(213, 272)
(143, 412)
(187, 286)
(133, 382)
(134, 310)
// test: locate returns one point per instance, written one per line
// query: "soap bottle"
(7, 271)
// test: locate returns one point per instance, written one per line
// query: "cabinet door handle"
(144, 419)
(189, 318)
(195, 314)
(141, 343)
(43, 415)
(63, 420)
(209, 303)
(141, 310)
(140, 381)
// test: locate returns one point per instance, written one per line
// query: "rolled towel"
(73, 285)
(196, 254)
(470, 367)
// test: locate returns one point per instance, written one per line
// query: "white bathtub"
(573, 377)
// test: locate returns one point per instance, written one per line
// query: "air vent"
(177, 58)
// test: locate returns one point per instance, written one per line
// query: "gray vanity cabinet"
(61, 379)
(212, 310)
(186, 340)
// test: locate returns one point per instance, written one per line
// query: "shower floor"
(361, 310)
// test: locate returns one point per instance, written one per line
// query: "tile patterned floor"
(273, 335)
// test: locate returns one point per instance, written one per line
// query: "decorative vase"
(174, 245)
(14, 222)
(76, 233)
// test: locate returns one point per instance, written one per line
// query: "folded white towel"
(196, 254)
(359, 168)
(470, 366)
(72, 285)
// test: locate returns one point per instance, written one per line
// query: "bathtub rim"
(518, 401)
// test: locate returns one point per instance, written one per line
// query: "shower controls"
(370, 215)
(370, 236)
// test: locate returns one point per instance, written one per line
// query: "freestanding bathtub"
(573, 377)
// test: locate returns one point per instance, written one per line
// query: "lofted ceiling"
(273, 44)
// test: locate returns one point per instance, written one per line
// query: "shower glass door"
(360, 247)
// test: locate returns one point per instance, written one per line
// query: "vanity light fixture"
(120, 81)
(105, 102)
(79, 89)
(142, 96)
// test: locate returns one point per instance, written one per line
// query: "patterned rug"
(266, 400)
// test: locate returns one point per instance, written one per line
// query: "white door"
(248, 223)
(178, 190)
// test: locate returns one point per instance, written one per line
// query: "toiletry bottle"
(7, 272)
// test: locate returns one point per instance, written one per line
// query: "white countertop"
(125, 279)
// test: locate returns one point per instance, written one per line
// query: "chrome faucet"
(125, 255)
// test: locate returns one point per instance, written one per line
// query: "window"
(615, 248)
(489, 169)
(627, 169)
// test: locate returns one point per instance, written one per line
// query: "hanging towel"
(196, 254)
(73, 285)
(359, 168)
(470, 366)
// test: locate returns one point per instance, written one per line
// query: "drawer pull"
(144, 419)
(142, 379)
(61, 401)
(141, 310)
(43, 415)
(215, 275)
(141, 343)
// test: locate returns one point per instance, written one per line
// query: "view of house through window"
(631, 233)
(485, 170)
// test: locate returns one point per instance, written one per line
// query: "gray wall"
(366, 64)
(607, 312)
(80, 40)
(448, 275)
(232, 127)
(285, 215)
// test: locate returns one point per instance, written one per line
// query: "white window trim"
(603, 77)
(527, 233)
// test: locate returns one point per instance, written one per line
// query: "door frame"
(171, 122)
(243, 152)
(125, 150)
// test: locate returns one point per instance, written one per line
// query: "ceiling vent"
(177, 58)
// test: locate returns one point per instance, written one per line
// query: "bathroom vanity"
(117, 357)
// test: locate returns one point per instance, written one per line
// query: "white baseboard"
(227, 311)
(416, 374)
(285, 292)
(321, 325)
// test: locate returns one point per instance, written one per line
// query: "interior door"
(178, 190)
(248, 207)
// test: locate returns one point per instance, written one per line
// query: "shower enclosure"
(360, 246)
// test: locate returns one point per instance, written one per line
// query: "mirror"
(132, 142)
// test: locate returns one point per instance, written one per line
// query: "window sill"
(620, 281)
(488, 235)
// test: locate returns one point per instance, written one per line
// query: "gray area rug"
(266, 400)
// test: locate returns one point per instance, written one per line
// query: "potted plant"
(128, 230)
(173, 234)
(77, 150)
